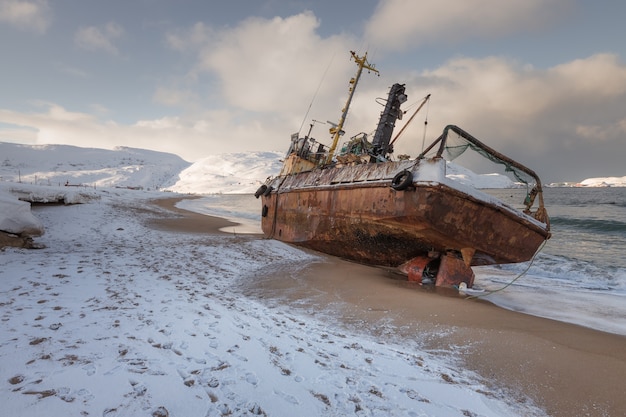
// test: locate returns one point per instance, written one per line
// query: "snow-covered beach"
(117, 318)
(135, 307)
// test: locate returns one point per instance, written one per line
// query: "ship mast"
(337, 131)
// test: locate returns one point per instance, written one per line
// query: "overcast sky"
(543, 81)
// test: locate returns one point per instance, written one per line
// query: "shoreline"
(566, 369)
(187, 221)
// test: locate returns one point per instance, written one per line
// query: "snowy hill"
(72, 165)
(234, 173)
(604, 182)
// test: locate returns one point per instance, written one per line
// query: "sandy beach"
(566, 369)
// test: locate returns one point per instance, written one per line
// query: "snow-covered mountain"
(604, 182)
(236, 173)
(233, 173)
(72, 165)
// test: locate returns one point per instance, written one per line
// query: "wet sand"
(566, 369)
(187, 221)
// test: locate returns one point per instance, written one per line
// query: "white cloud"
(16, 134)
(27, 15)
(604, 132)
(265, 64)
(99, 38)
(191, 138)
(397, 24)
(595, 75)
(158, 124)
(511, 105)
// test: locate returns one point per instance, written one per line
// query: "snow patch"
(16, 217)
(604, 182)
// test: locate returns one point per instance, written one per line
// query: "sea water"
(243, 209)
(579, 276)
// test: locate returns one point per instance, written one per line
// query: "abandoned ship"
(359, 204)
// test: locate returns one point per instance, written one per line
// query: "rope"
(532, 260)
(315, 95)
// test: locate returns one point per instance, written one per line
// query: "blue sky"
(543, 81)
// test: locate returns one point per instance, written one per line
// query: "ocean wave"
(561, 272)
(587, 224)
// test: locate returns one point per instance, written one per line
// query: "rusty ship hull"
(355, 213)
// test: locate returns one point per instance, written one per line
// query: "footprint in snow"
(252, 379)
(90, 369)
(287, 397)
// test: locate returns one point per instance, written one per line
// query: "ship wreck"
(360, 204)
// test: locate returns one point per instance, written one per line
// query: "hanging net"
(456, 145)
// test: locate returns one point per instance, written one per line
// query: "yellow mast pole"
(337, 130)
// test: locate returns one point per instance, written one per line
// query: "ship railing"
(521, 172)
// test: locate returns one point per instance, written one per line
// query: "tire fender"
(402, 180)
(260, 191)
